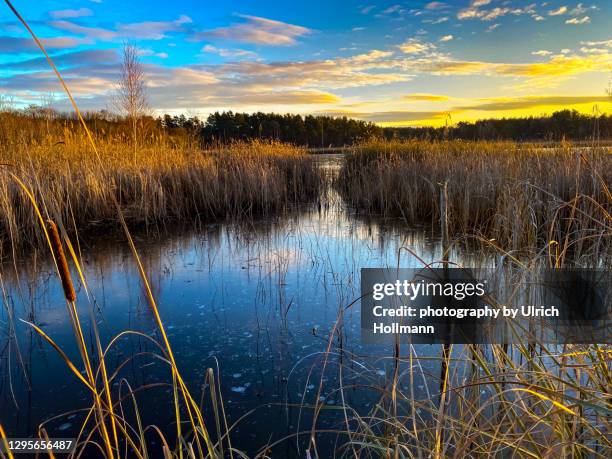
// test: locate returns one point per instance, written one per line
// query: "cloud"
(586, 50)
(436, 21)
(232, 85)
(436, 6)
(236, 98)
(534, 75)
(456, 67)
(393, 9)
(402, 116)
(37, 82)
(606, 43)
(153, 30)
(474, 11)
(67, 14)
(367, 9)
(415, 46)
(70, 59)
(188, 88)
(96, 33)
(224, 52)
(16, 45)
(447, 38)
(350, 72)
(558, 12)
(371, 56)
(418, 97)
(581, 9)
(247, 84)
(492, 27)
(148, 30)
(576, 21)
(395, 117)
(541, 52)
(257, 30)
(518, 103)
(150, 52)
(284, 98)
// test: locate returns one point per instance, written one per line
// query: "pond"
(257, 300)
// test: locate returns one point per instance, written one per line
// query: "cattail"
(62, 264)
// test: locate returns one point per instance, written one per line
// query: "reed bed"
(526, 401)
(537, 402)
(522, 195)
(154, 186)
(531, 207)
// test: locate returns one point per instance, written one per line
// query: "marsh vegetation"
(238, 336)
(518, 197)
(296, 264)
(156, 187)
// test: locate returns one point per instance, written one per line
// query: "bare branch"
(131, 93)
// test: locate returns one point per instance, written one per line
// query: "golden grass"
(124, 438)
(531, 207)
(540, 404)
(523, 196)
(156, 187)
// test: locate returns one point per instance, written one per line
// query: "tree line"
(563, 124)
(325, 131)
(35, 123)
(309, 130)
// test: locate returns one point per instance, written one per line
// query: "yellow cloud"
(538, 74)
(414, 46)
(517, 103)
(425, 97)
(395, 117)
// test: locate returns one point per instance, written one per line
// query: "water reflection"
(257, 298)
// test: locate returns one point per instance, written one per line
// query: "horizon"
(411, 64)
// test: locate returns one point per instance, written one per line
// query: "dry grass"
(537, 404)
(522, 195)
(525, 401)
(157, 186)
(521, 400)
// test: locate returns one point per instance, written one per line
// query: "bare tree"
(46, 108)
(131, 96)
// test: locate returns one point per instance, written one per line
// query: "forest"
(564, 124)
(34, 123)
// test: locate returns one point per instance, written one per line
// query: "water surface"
(257, 300)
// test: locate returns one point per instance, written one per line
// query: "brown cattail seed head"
(60, 258)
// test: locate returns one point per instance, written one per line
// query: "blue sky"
(395, 63)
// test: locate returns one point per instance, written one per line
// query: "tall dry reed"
(160, 185)
(523, 196)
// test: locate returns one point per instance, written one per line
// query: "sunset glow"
(393, 63)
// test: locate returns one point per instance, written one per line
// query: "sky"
(409, 63)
